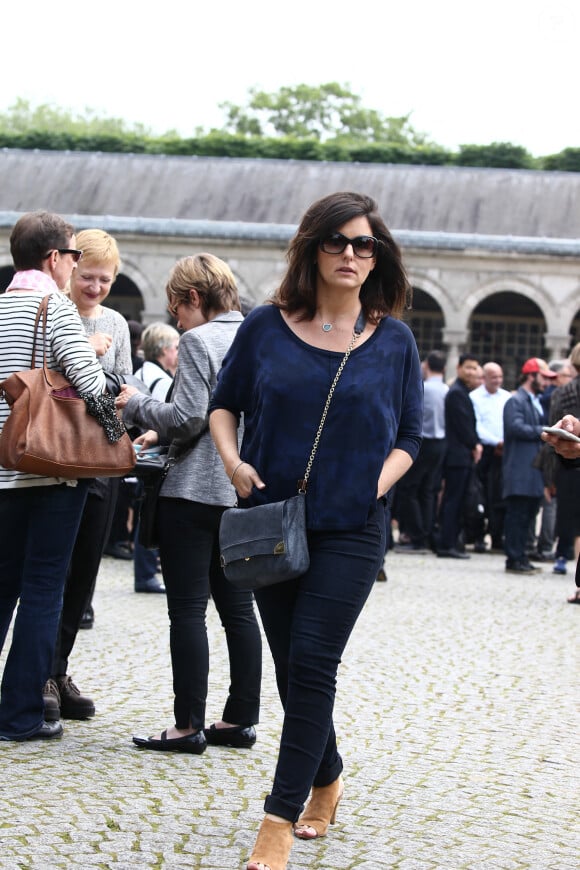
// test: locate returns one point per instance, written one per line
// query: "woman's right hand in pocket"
(245, 479)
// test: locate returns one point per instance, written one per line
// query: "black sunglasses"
(363, 246)
(75, 254)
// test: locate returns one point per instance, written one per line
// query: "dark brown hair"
(385, 291)
(34, 235)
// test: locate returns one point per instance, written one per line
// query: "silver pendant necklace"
(358, 327)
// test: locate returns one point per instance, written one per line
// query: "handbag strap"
(41, 312)
(358, 328)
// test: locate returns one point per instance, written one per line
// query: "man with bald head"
(488, 402)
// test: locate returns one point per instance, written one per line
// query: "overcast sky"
(469, 72)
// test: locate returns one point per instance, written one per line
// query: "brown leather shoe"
(73, 705)
(51, 697)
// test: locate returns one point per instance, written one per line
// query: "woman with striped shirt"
(39, 516)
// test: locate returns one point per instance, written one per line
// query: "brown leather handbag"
(49, 430)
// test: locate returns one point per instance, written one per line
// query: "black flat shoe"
(47, 731)
(193, 743)
(241, 736)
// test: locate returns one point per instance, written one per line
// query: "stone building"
(493, 254)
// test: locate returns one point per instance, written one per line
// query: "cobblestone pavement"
(457, 715)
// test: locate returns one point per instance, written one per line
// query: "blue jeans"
(190, 562)
(308, 622)
(39, 525)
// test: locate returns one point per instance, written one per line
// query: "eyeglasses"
(75, 254)
(362, 246)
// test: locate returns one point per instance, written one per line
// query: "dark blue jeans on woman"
(189, 552)
(39, 526)
(308, 622)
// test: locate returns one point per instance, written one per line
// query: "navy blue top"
(281, 383)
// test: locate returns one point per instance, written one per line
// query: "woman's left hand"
(147, 439)
(124, 396)
(101, 342)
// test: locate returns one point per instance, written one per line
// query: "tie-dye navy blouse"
(280, 383)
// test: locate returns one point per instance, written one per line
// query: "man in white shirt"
(488, 402)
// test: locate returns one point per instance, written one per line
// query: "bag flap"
(258, 531)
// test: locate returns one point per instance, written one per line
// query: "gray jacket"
(199, 474)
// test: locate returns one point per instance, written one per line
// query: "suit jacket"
(460, 428)
(522, 429)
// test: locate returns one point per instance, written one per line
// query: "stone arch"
(426, 318)
(510, 284)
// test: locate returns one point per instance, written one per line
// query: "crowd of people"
(485, 478)
(236, 396)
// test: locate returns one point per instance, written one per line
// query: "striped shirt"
(67, 350)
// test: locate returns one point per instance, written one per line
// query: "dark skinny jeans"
(189, 553)
(308, 622)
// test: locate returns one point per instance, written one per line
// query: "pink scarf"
(33, 279)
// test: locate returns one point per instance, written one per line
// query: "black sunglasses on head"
(362, 246)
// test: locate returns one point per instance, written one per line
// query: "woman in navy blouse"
(344, 271)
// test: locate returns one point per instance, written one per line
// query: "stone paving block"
(456, 714)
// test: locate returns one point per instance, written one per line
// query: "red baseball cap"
(535, 366)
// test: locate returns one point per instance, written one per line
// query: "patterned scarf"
(33, 279)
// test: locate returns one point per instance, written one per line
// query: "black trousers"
(86, 557)
(189, 552)
(308, 622)
(417, 492)
(456, 480)
(490, 471)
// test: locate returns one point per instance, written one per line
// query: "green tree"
(567, 160)
(498, 154)
(22, 118)
(328, 113)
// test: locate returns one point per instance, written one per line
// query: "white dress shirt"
(489, 413)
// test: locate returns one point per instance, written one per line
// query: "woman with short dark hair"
(39, 516)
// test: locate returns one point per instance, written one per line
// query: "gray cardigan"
(199, 475)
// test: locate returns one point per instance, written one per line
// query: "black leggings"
(189, 552)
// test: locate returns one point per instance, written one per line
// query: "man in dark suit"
(523, 485)
(463, 451)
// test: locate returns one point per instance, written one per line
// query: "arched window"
(507, 328)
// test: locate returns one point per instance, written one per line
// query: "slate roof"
(500, 202)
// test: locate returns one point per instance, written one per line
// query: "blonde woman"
(108, 333)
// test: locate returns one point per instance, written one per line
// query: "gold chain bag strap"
(49, 431)
(268, 544)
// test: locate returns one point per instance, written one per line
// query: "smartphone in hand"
(560, 433)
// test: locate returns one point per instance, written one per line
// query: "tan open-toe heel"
(272, 847)
(320, 811)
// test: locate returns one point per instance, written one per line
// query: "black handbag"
(150, 470)
(267, 544)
